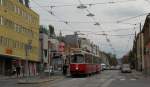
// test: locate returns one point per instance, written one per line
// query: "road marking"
(113, 79)
(102, 79)
(122, 79)
(133, 79)
(107, 83)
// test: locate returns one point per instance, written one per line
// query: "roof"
(146, 22)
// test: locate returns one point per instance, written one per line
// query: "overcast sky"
(106, 13)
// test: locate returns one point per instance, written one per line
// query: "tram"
(82, 62)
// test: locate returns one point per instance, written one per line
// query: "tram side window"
(94, 60)
(77, 59)
(88, 58)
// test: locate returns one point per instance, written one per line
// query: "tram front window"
(77, 59)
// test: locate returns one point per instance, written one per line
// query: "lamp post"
(28, 47)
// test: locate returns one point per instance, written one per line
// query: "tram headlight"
(77, 68)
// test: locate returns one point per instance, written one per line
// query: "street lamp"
(90, 15)
(28, 47)
(97, 23)
(82, 6)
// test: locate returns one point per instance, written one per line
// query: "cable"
(65, 22)
(129, 18)
(115, 35)
(90, 4)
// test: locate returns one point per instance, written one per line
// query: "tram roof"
(83, 52)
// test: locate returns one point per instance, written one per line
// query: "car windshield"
(77, 58)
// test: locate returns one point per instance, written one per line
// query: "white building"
(43, 47)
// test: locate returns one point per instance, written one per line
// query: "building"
(146, 34)
(85, 44)
(140, 51)
(104, 58)
(72, 40)
(19, 37)
(44, 46)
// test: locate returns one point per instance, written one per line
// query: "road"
(108, 78)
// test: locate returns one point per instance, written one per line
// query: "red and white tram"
(82, 62)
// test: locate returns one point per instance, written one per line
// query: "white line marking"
(102, 80)
(133, 79)
(122, 79)
(113, 79)
(107, 83)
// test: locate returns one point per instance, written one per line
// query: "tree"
(112, 59)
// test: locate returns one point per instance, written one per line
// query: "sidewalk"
(140, 75)
(35, 80)
(32, 79)
(7, 77)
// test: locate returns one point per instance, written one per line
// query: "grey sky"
(106, 14)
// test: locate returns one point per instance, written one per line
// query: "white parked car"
(126, 68)
(103, 66)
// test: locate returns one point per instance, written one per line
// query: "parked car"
(118, 67)
(112, 67)
(107, 68)
(125, 68)
(103, 66)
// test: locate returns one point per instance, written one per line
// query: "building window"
(7, 42)
(18, 10)
(1, 20)
(13, 42)
(1, 2)
(1, 38)
(4, 41)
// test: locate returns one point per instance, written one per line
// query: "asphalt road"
(108, 78)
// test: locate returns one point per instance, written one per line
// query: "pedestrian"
(23, 70)
(18, 70)
(65, 69)
(13, 70)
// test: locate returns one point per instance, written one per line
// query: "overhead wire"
(129, 18)
(105, 22)
(91, 4)
(65, 22)
(107, 39)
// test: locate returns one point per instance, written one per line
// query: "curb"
(8, 78)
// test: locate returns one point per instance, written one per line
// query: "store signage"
(61, 47)
(8, 51)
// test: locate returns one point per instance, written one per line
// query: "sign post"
(28, 47)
